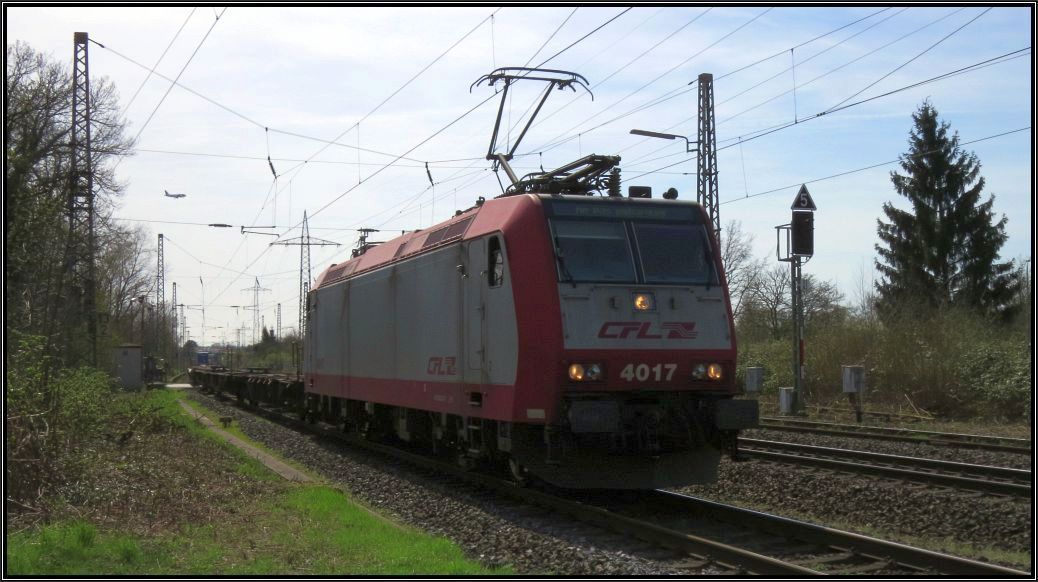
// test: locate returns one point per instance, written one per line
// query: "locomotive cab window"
(495, 263)
(593, 251)
(653, 244)
(675, 254)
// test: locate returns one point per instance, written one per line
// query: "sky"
(370, 119)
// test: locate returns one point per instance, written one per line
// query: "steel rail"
(992, 443)
(901, 554)
(703, 550)
(1000, 480)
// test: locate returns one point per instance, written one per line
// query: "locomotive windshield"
(593, 251)
(675, 253)
(648, 244)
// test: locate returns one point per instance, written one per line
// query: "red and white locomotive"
(584, 340)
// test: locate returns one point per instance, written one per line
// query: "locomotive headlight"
(585, 372)
(593, 372)
(714, 372)
(576, 372)
(699, 371)
(644, 302)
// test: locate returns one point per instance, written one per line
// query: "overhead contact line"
(873, 166)
(162, 56)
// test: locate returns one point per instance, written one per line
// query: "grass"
(176, 500)
(308, 530)
(236, 431)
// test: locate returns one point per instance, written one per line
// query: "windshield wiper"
(709, 265)
(562, 264)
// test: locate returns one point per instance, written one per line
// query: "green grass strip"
(308, 530)
(299, 530)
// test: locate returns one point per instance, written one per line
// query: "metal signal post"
(799, 244)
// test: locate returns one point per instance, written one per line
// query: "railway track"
(692, 532)
(982, 478)
(798, 544)
(959, 440)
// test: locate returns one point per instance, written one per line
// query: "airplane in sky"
(174, 195)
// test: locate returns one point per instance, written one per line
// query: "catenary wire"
(182, 69)
(159, 61)
(906, 63)
(870, 167)
(976, 66)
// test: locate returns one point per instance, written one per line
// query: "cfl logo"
(441, 366)
(682, 330)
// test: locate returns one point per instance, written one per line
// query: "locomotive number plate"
(643, 372)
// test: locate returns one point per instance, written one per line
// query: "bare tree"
(740, 267)
(768, 312)
(865, 296)
(126, 271)
(822, 302)
(37, 125)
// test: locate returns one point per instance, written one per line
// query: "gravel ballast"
(891, 447)
(863, 504)
(489, 531)
(534, 542)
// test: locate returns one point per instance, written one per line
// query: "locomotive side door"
(474, 310)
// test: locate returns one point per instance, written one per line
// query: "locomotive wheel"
(464, 461)
(519, 474)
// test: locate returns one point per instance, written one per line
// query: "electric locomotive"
(583, 340)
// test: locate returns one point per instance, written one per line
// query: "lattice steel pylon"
(183, 322)
(305, 242)
(278, 336)
(706, 180)
(81, 244)
(255, 307)
(160, 299)
(173, 319)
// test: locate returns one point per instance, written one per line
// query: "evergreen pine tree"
(943, 253)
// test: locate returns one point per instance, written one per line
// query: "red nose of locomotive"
(642, 299)
(625, 338)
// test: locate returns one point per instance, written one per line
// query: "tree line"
(947, 324)
(55, 399)
(37, 135)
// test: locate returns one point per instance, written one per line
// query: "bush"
(999, 374)
(953, 364)
(48, 415)
(775, 356)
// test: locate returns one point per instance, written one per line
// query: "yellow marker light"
(714, 371)
(576, 372)
(644, 302)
